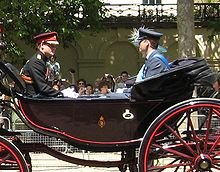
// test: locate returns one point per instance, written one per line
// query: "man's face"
(48, 49)
(143, 47)
(216, 86)
(81, 84)
(124, 77)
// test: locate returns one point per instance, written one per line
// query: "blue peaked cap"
(144, 33)
(148, 33)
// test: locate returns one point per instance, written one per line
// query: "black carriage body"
(93, 124)
(111, 123)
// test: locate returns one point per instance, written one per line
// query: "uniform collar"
(148, 55)
(43, 57)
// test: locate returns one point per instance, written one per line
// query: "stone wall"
(109, 51)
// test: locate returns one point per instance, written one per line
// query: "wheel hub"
(203, 162)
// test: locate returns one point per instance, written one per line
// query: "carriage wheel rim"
(200, 163)
(14, 155)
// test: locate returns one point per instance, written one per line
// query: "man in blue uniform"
(34, 72)
(155, 62)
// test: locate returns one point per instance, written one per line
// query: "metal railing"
(158, 12)
(29, 136)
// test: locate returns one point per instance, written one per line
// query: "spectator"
(110, 80)
(104, 87)
(216, 83)
(56, 85)
(216, 86)
(89, 89)
(120, 80)
(96, 87)
(81, 86)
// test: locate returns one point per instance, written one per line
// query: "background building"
(109, 50)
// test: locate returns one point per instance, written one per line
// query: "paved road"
(46, 163)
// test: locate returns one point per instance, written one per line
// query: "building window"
(151, 1)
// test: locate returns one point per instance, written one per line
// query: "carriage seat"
(177, 83)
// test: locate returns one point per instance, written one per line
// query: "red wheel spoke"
(194, 136)
(169, 166)
(10, 161)
(208, 126)
(7, 160)
(216, 167)
(174, 152)
(181, 140)
(217, 112)
(216, 161)
(216, 154)
(216, 143)
(191, 169)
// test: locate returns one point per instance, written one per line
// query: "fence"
(159, 12)
(29, 136)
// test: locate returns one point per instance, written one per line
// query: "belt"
(27, 79)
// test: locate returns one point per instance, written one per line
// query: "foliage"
(209, 13)
(214, 27)
(24, 19)
(213, 24)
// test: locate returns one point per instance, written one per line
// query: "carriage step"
(4, 132)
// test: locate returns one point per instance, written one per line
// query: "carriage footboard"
(39, 147)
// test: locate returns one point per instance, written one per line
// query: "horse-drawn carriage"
(172, 131)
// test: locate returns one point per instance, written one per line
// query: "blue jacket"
(155, 64)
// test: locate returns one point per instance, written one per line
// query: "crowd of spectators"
(101, 86)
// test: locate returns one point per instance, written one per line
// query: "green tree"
(213, 24)
(24, 19)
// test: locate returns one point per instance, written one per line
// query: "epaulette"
(39, 57)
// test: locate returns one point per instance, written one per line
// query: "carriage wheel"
(186, 137)
(11, 158)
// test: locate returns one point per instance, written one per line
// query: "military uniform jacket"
(36, 70)
(154, 65)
